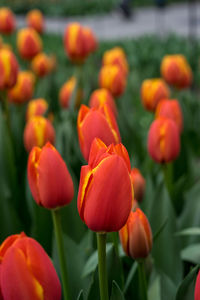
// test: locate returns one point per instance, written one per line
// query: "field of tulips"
(100, 165)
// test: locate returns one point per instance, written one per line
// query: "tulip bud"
(29, 43)
(136, 235)
(163, 140)
(112, 78)
(7, 21)
(105, 191)
(23, 90)
(96, 123)
(100, 97)
(50, 182)
(152, 91)
(26, 271)
(90, 40)
(66, 91)
(8, 69)
(116, 56)
(36, 107)
(41, 65)
(172, 110)
(197, 288)
(138, 184)
(176, 71)
(35, 20)
(38, 131)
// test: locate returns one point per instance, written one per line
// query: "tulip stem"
(61, 253)
(74, 97)
(114, 236)
(103, 282)
(142, 280)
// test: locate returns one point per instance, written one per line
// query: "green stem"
(74, 99)
(168, 177)
(61, 253)
(103, 283)
(115, 240)
(142, 280)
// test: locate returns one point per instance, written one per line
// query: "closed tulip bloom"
(136, 235)
(23, 89)
(35, 20)
(96, 123)
(91, 41)
(197, 288)
(163, 140)
(36, 107)
(8, 69)
(50, 182)
(26, 271)
(176, 71)
(38, 131)
(112, 78)
(41, 65)
(105, 191)
(170, 109)
(116, 56)
(138, 184)
(66, 91)
(100, 97)
(152, 91)
(7, 21)
(29, 43)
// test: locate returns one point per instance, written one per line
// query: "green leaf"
(186, 288)
(80, 296)
(130, 276)
(189, 231)
(154, 291)
(191, 253)
(116, 293)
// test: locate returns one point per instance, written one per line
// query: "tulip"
(136, 235)
(152, 91)
(7, 21)
(105, 191)
(23, 90)
(29, 43)
(176, 71)
(197, 288)
(8, 69)
(116, 56)
(38, 131)
(66, 92)
(35, 20)
(100, 97)
(36, 107)
(163, 140)
(170, 109)
(41, 65)
(100, 123)
(112, 78)
(138, 184)
(50, 182)
(26, 271)
(90, 40)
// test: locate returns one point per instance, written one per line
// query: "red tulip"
(7, 21)
(41, 64)
(35, 20)
(105, 191)
(29, 43)
(50, 182)
(116, 56)
(36, 107)
(66, 91)
(27, 272)
(197, 288)
(136, 235)
(8, 69)
(138, 184)
(100, 97)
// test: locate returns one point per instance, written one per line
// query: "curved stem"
(142, 280)
(61, 253)
(103, 282)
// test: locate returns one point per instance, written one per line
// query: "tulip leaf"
(80, 296)
(130, 276)
(154, 292)
(189, 231)
(116, 293)
(191, 253)
(186, 288)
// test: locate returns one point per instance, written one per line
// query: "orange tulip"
(136, 235)
(29, 43)
(112, 78)
(90, 40)
(26, 271)
(116, 56)
(23, 89)
(170, 109)
(138, 184)
(197, 288)
(41, 65)
(105, 191)
(96, 123)
(7, 21)
(8, 69)
(152, 91)
(38, 131)
(100, 97)
(163, 140)
(66, 91)
(35, 20)
(36, 107)
(176, 71)
(50, 182)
